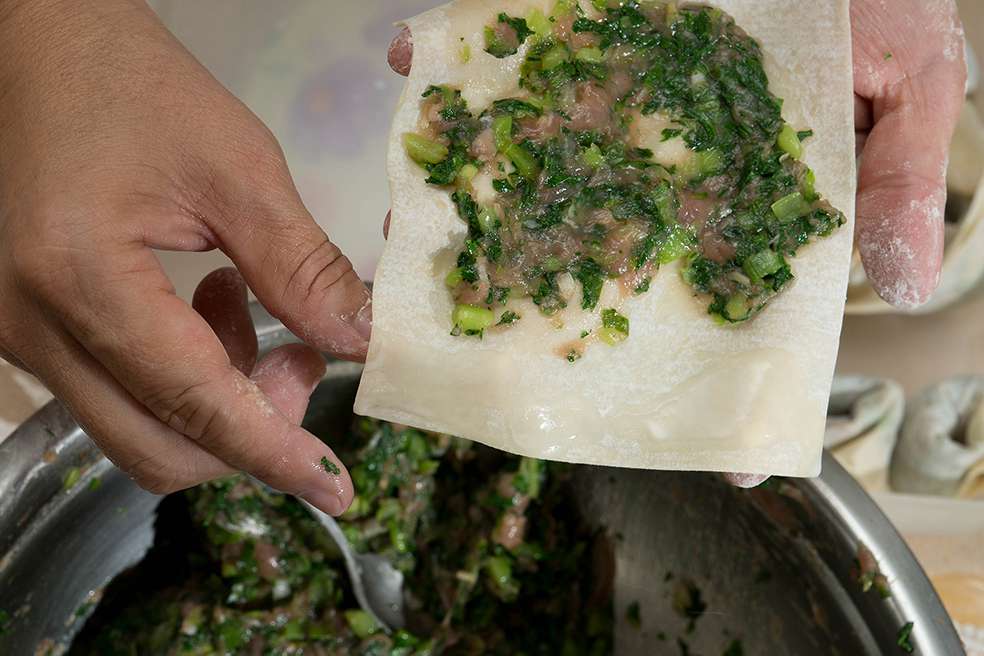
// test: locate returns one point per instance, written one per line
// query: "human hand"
(114, 141)
(909, 83)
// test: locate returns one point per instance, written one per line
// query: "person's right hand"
(114, 141)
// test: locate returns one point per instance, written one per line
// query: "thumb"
(291, 265)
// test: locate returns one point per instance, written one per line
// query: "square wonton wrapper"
(682, 392)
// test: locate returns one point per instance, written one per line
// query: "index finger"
(169, 359)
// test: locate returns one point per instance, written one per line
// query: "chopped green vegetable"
(454, 278)
(592, 156)
(503, 44)
(573, 193)
(71, 477)
(633, 616)
(539, 23)
(508, 317)
(614, 327)
(471, 318)
(791, 207)
(361, 623)
(329, 466)
(789, 142)
(423, 150)
(522, 159)
(467, 172)
(95, 483)
(554, 57)
(502, 131)
(591, 55)
(763, 263)
(904, 638)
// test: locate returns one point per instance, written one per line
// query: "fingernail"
(326, 501)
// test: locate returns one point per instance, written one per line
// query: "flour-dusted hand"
(909, 78)
(114, 141)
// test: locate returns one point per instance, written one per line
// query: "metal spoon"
(378, 586)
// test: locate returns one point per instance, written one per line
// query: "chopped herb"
(508, 317)
(573, 356)
(887, 56)
(585, 333)
(632, 615)
(687, 602)
(904, 640)
(505, 41)
(592, 278)
(329, 466)
(576, 195)
(95, 483)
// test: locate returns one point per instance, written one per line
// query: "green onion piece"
(465, 53)
(680, 242)
(552, 264)
(467, 172)
(663, 197)
(72, 477)
(600, 5)
(736, 308)
(614, 327)
(472, 318)
(522, 159)
(762, 264)
(454, 278)
(540, 24)
(502, 130)
(611, 336)
(789, 142)
(810, 186)
(361, 624)
(564, 7)
(709, 162)
(791, 207)
(487, 220)
(423, 150)
(590, 55)
(593, 156)
(499, 569)
(554, 57)
(672, 13)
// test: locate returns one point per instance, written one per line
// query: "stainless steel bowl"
(775, 566)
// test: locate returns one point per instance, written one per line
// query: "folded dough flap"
(681, 392)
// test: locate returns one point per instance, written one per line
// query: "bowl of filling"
(500, 555)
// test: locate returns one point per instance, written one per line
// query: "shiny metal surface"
(376, 584)
(775, 566)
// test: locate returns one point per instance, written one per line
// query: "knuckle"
(318, 273)
(187, 410)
